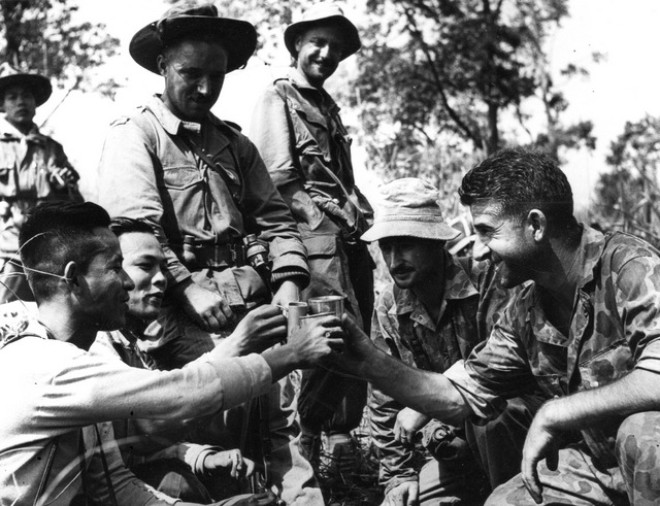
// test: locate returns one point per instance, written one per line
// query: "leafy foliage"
(628, 194)
(41, 36)
(433, 70)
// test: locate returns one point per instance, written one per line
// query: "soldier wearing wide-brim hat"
(33, 168)
(307, 149)
(239, 38)
(37, 84)
(433, 313)
(203, 188)
(324, 14)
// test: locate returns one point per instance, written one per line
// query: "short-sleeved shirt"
(614, 329)
(473, 299)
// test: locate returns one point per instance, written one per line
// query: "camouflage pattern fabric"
(637, 446)
(615, 328)
(402, 327)
(578, 481)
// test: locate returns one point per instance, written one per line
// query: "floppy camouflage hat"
(323, 14)
(408, 207)
(39, 85)
(239, 38)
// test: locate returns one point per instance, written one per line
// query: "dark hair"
(56, 233)
(520, 180)
(128, 225)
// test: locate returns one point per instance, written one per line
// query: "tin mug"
(327, 304)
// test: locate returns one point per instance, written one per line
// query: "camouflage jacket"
(615, 328)
(402, 327)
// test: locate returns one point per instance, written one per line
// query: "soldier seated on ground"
(54, 439)
(157, 453)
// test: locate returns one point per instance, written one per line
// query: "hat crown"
(409, 192)
(7, 70)
(322, 10)
(409, 207)
(188, 8)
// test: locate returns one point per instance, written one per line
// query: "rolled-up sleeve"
(496, 370)
(272, 217)
(638, 301)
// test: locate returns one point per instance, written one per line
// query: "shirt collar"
(588, 254)
(7, 130)
(172, 123)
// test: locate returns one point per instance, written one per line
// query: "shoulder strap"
(213, 164)
(47, 470)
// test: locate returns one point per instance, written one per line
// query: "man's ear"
(161, 63)
(297, 45)
(538, 224)
(71, 276)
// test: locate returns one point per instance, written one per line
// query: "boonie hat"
(39, 85)
(408, 207)
(239, 37)
(323, 14)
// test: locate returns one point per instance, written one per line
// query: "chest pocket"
(607, 366)
(310, 127)
(180, 178)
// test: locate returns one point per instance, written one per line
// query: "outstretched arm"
(427, 392)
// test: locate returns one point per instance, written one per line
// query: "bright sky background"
(623, 87)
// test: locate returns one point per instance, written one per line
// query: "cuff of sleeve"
(195, 455)
(288, 254)
(482, 408)
(243, 378)
(299, 277)
(398, 480)
(650, 357)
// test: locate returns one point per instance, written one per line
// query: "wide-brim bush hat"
(324, 13)
(408, 207)
(38, 85)
(239, 38)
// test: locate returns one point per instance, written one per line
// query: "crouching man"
(49, 438)
(435, 312)
(586, 332)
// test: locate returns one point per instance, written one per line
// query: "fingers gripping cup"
(301, 314)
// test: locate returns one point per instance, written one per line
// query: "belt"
(213, 255)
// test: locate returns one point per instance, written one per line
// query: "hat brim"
(239, 39)
(294, 30)
(39, 85)
(421, 230)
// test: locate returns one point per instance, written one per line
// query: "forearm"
(396, 460)
(429, 393)
(281, 360)
(631, 394)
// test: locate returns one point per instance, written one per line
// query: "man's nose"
(127, 281)
(392, 258)
(204, 85)
(160, 281)
(479, 249)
